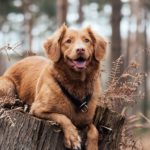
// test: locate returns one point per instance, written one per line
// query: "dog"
(64, 88)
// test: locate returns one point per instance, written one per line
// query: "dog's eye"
(86, 40)
(68, 41)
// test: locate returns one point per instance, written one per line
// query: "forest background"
(25, 24)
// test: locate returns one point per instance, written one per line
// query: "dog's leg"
(92, 138)
(71, 138)
(7, 87)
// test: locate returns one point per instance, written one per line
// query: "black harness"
(81, 104)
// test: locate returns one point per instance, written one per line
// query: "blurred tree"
(80, 11)
(31, 10)
(137, 42)
(61, 7)
(6, 7)
(3, 11)
(28, 22)
(128, 38)
(115, 23)
(47, 7)
(145, 44)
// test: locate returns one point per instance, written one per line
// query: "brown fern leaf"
(116, 68)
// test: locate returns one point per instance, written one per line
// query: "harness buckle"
(84, 107)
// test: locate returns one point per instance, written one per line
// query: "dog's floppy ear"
(52, 44)
(99, 45)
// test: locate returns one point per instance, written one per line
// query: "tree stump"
(21, 131)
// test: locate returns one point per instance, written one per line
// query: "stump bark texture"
(21, 131)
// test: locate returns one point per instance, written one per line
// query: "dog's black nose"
(80, 51)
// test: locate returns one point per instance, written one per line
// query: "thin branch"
(9, 47)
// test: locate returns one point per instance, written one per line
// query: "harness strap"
(81, 104)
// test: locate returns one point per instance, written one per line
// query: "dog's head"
(77, 47)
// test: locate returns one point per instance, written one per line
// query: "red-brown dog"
(66, 89)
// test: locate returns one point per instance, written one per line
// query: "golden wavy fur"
(75, 60)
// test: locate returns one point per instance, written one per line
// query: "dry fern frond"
(122, 90)
(116, 69)
(128, 140)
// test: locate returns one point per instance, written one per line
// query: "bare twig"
(9, 47)
(147, 119)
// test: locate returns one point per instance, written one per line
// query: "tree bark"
(61, 8)
(21, 131)
(115, 23)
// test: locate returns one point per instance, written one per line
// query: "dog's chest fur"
(66, 107)
(55, 101)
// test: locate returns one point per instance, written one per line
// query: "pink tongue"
(80, 64)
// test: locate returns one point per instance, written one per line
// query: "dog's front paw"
(72, 139)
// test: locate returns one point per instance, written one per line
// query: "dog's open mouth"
(79, 63)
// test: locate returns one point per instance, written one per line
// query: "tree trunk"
(145, 102)
(127, 55)
(80, 12)
(115, 23)
(21, 131)
(61, 7)
(28, 24)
